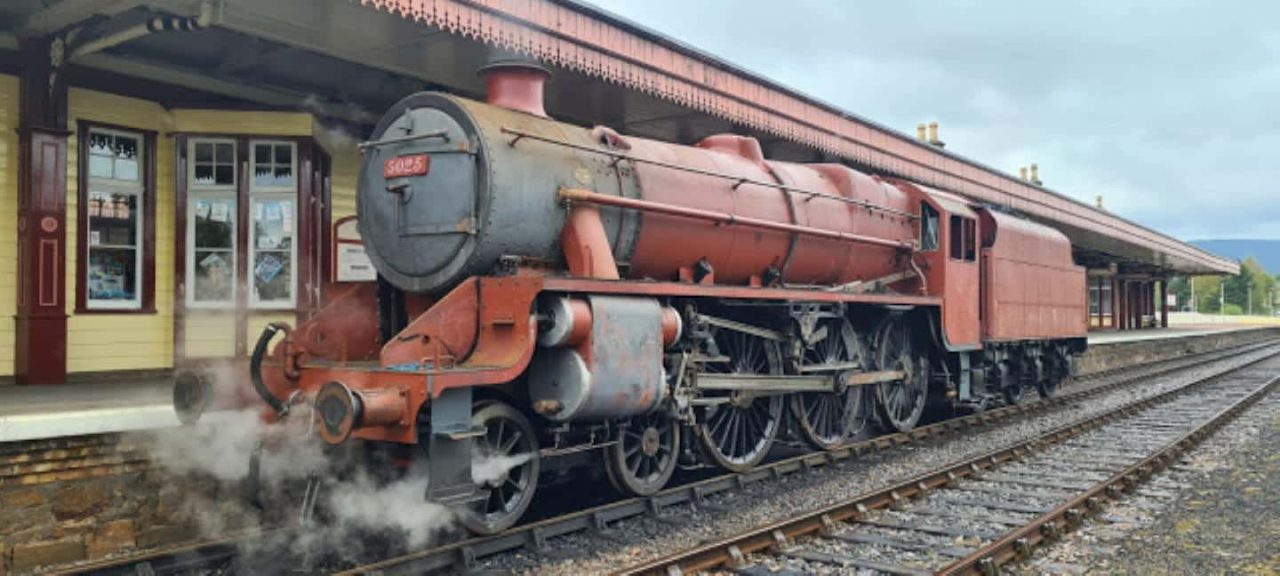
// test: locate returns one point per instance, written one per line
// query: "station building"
(176, 174)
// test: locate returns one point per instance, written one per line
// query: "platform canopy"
(350, 59)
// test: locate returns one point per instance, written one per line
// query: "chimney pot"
(515, 81)
(1035, 174)
(1100, 202)
(1022, 172)
(920, 134)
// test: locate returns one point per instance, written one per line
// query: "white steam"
(490, 469)
(399, 506)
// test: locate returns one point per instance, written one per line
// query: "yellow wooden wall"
(8, 219)
(100, 341)
(345, 170)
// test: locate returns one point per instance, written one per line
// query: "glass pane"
(112, 274)
(262, 153)
(283, 176)
(100, 143)
(113, 219)
(226, 153)
(204, 153)
(126, 169)
(99, 166)
(126, 147)
(272, 278)
(284, 154)
(204, 174)
(213, 219)
(273, 224)
(224, 174)
(213, 281)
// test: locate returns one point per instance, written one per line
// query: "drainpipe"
(206, 17)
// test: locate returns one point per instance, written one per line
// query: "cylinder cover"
(616, 372)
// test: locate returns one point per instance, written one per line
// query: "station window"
(273, 214)
(114, 207)
(928, 228)
(211, 223)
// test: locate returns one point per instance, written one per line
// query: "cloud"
(1165, 108)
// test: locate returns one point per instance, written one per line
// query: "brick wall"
(84, 498)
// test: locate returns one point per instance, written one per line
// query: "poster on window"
(109, 275)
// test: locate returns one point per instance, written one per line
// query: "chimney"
(515, 81)
(1022, 173)
(1100, 202)
(1035, 175)
(920, 135)
(933, 135)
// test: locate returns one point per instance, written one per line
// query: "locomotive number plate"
(402, 166)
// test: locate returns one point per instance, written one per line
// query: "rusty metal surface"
(583, 38)
(1033, 290)
(615, 372)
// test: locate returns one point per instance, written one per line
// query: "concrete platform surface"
(31, 412)
(1187, 331)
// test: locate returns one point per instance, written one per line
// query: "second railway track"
(974, 515)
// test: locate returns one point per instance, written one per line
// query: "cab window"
(963, 239)
(928, 228)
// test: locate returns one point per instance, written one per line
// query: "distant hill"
(1266, 252)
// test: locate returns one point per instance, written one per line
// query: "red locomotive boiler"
(558, 293)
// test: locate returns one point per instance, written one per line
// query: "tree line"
(1252, 290)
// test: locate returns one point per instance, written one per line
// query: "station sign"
(350, 261)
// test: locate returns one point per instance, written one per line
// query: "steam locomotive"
(555, 294)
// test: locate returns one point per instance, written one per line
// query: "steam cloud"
(353, 504)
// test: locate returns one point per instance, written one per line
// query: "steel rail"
(731, 552)
(534, 535)
(173, 559)
(1017, 543)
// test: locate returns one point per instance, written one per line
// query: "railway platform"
(77, 409)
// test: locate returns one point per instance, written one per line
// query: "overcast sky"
(1170, 110)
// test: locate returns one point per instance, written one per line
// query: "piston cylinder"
(614, 372)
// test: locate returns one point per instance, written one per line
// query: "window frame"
(145, 233)
(195, 192)
(258, 194)
(929, 213)
(962, 238)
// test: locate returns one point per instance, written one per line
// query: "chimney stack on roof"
(933, 135)
(1035, 175)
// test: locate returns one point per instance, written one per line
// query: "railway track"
(972, 516)
(533, 536)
